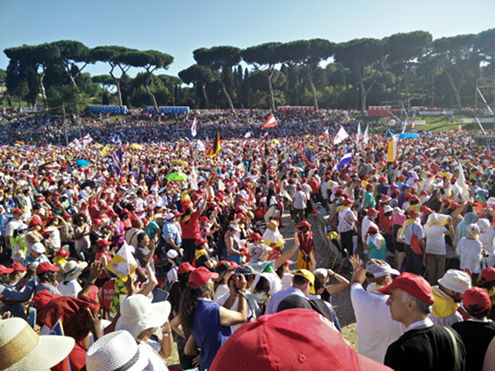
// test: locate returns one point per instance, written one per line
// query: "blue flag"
(346, 159)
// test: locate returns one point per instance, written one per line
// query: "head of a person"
(17, 213)
(487, 282)
(284, 268)
(5, 274)
(37, 249)
(290, 338)
(372, 213)
(454, 283)
(225, 270)
(200, 285)
(380, 272)
(172, 256)
(79, 219)
(410, 298)
(477, 302)
(143, 239)
(140, 317)
(248, 272)
(303, 280)
(304, 226)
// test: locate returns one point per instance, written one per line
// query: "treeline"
(410, 67)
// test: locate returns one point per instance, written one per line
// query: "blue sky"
(178, 27)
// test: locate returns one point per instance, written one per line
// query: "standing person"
(436, 252)
(470, 250)
(189, 224)
(375, 328)
(424, 346)
(206, 324)
(304, 241)
(478, 331)
(413, 239)
(82, 231)
(300, 201)
(171, 232)
(347, 226)
(232, 243)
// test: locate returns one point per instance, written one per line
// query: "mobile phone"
(32, 316)
(159, 295)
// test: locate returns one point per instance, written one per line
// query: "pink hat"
(292, 339)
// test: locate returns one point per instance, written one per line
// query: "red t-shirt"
(190, 228)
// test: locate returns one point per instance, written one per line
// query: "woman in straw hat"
(21, 348)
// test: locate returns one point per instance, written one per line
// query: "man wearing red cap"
(424, 346)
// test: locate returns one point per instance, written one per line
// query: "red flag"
(270, 122)
(266, 134)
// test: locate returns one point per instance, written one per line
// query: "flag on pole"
(117, 160)
(216, 147)
(85, 140)
(325, 134)
(411, 126)
(270, 122)
(366, 137)
(461, 184)
(200, 146)
(359, 136)
(247, 135)
(265, 135)
(58, 330)
(346, 159)
(392, 149)
(193, 128)
(341, 136)
(123, 263)
(105, 150)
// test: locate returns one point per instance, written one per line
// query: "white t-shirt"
(376, 329)
(300, 199)
(221, 290)
(155, 361)
(365, 225)
(253, 310)
(435, 239)
(470, 254)
(488, 241)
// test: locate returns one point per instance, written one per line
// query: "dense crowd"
(125, 258)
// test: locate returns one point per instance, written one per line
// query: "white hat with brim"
(137, 314)
(235, 227)
(73, 269)
(116, 351)
(23, 349)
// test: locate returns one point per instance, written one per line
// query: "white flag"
(247, 135)
(193, 128)
(359, 135)
(200, 146)
(341, 136)
(366, 135)
(461, 184)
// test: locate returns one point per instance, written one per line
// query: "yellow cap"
(306, 274)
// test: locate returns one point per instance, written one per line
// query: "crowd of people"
(127, 251)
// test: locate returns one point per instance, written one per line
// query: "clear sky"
(177, 27)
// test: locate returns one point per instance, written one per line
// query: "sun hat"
(116, 351)
(388, 209)
(413, 284)
(21, 348)
(137, 314)
(456, 280)
(476, 296)
(287, 341)
(73, 269)
(235, 227)
(473, 230)
(381, 270)
(38, 247)
(484, 225)
(170, 216)
(258, 251)
(172, 254)
(46, 267)
(200, 276)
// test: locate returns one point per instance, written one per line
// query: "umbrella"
(82, 163)
(176, 176)
(136, 146)
(179, 162)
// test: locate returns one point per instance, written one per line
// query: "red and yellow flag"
(216, 147)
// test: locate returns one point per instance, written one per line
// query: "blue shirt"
(170, 230)
(207, 331)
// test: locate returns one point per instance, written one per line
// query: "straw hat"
(139, 314)
(115, 351)
(23, 349)
(73, 269)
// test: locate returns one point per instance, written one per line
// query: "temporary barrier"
(173, 110)
(108, 109)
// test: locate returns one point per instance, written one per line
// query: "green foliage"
(74, 100)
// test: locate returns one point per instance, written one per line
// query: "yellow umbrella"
(179, 162)
(275, 141)
(136, 146)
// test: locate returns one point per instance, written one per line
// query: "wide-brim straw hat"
(23, 349)
(73, 269)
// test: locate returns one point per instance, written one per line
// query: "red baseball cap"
(200, 276)
(62, 252)
(303, 223)
(413, 213)
(413, 284)
(17, 211)
(347, 202)
(488, 274)
(46, 267)
(426, 210)
(256, 237)
(103, 242)
(372, 211)
(476, 296)
(185, 268)
(5, 270)
(18, 267)
(297, 338)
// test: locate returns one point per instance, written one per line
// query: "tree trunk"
(227, 96)
(42, 88)
(148, 90)
(117, 85)
(313, 89)
(270, 89)
(454, 90)
(205, 96)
